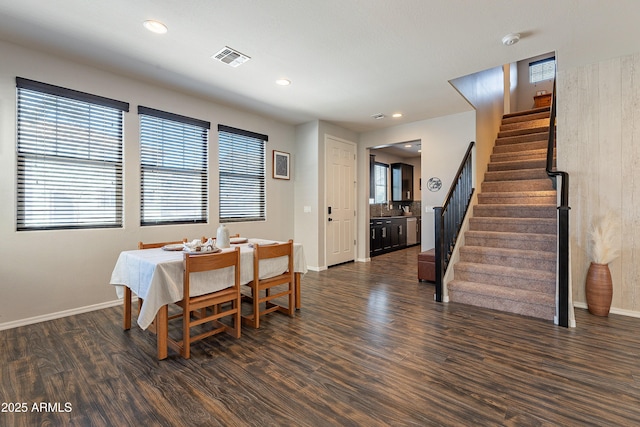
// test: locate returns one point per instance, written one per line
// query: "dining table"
(156, 276)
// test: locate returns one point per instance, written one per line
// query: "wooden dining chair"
(261, 289)
(206, 239)
(159, 244)
(128, 295)
(194, 308)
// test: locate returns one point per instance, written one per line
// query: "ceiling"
(347, 59)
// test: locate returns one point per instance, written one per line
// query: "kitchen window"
(69, 155)
(380, 183)
(242, 175)
(173, 168)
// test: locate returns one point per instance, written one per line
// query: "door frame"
(325, 203)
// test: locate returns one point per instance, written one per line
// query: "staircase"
(508, 261)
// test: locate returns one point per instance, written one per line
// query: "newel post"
(439, 226)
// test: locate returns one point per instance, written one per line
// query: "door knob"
(330, 219)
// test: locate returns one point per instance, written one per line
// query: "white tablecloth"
(155, 275)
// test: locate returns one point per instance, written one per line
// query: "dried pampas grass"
(603, 243)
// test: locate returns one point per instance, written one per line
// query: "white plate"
(238, 240)
(173, 247)
(212, 251)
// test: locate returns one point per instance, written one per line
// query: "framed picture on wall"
(281, 165)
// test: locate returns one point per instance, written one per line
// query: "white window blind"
(173, 168)
(242, 175)
(544, 69)
(69, 155)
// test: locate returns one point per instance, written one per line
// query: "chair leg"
(256, 309)
(291, 299)
(297, 290)
(237, 319)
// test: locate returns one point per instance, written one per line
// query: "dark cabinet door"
(386, 234)
(401, 182)
(395, 234)
(401, 224)
(377, 237)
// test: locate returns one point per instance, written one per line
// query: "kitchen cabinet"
(386, 235)
(380, 236)
(398, 233)
(401, 182)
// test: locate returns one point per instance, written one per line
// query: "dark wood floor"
(369, 347)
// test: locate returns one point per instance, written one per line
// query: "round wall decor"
(434, 184)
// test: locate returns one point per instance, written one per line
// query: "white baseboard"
(58, 315)
(368, 259)
(613, 310)
(316, 268)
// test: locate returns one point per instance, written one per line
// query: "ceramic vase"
(599, 289)
(222, 237)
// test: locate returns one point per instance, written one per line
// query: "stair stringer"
(447, 276)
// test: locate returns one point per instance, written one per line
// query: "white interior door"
(340, 211)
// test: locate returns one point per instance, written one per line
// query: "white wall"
(309, 188)
(444, 142)
(485, 92)
(598, 129)
(46, 272)
(306, 174)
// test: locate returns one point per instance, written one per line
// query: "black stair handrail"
(563, 219)
(449, 217)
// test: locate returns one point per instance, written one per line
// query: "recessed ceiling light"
(510, 39)
(283, 82)
(155, 26)
(419, 151)
(396, 115)
(407, 146)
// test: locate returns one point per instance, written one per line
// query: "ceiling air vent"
(231, 57)
(378, 116)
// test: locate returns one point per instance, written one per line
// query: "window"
(173, 168)
(544, 69)
(380, 173)
(242, 175)
(69, 154)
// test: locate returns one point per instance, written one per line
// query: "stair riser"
(524, 131)
(516, 165)
(525, 174)
(522, 146)
(544, 184)
(530, 263)
(511, 243)
(533, 227)
(524, 308)
(525, 118)
(511, 211)
(496, 199)
(517, 139)
(525, 124)
(518, 282)
(515, 156)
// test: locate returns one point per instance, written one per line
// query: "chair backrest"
(158, 244)
(278, 250)
(205, 239)
(195, 263)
